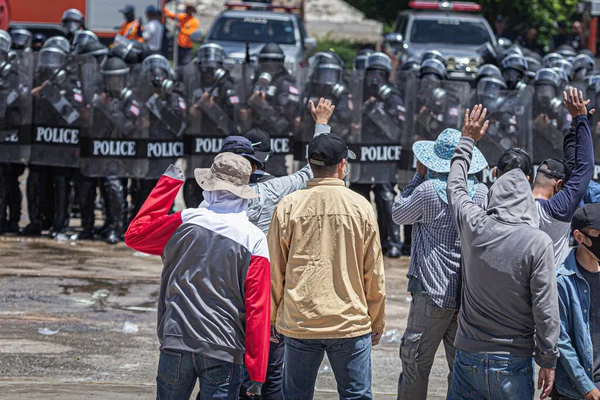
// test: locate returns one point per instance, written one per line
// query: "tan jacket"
(327, 278)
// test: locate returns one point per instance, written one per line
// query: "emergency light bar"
(445, 6)
(245, 6)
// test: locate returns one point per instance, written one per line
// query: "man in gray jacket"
(509, 307)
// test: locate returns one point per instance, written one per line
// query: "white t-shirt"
(153, 33)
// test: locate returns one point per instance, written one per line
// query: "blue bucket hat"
(436, 156)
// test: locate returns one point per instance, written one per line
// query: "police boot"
(389, 231)
(192, 193)
(113, 202)
(62, 193)
(35, 191)
(15, 198)
(87, 195)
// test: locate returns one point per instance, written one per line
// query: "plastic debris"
(61, 237)
(392, 336)
(140, 254)
(130, 328)
(48, 332)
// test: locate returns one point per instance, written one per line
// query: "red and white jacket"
(215, 287)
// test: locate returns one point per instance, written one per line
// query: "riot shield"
(60, 109)
(439, 105)
(16, 107)
(549, 125)
(214, 105)
(162, 122)
(407, 83)
(376, 137)
(111, 144)
(510, 123)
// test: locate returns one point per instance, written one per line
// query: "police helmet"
(548, 76)
(21, 38)
(491, 85)
(412, 64)
(533, 64)
(328, 74)
(271, 52)
(566, 51)
(58, 42)
(82, 37)
(51, 58)
(72, 20)
(487, 53)
(433, 66)
(115, 74)
(516, 62)
(379, 61)
(210, 55)
(157, 69)
(433, 54)
(564, 78)
(550, 59)
(583, 61)
(5, 42)
(133, 52)
(488, 70)
(360, 61)
(565, 66)
(91, 48)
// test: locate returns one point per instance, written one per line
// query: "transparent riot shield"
(407, 84)
(376, 138)
(440, 105)
(16, 107)
(549, 125)
(60, 108)
(163, 120)
(510, 123)
(110, 143)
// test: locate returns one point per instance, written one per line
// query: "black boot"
(406, 246)
(389, 231)
(114, 201)
(36, 185)
(87, 196)
(62, 194)
(15, 198)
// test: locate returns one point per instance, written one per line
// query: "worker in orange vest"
(188, 25)
(131, 28)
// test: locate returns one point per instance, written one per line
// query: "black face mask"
(595, 247)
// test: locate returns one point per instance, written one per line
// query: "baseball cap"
(241, 146)
(128, 9)
(328, 149)
(152, 10)
(515, 158)
(555, 168)
(587, 216)
(261, 143)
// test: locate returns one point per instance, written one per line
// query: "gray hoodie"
(509, 293)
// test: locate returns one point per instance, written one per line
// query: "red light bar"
(445, 5)
(259, 6)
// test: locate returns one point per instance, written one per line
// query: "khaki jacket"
(327, 276)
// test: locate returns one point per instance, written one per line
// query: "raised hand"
(575, 103)
(322, 112)
(475, 124)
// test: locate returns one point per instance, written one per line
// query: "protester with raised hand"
(509, 307)
(434, 273)
(558, 190)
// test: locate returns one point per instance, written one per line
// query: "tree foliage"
(542, 14)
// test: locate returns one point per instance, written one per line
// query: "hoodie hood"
(510, 200)
(224, 202)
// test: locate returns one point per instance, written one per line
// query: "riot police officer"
(132, 52)
(360, 61)
(383, 116)
(549, 59)
(58, 104)
(72, 20)
(37, 42)
(214, 102)
(583, 65)
(21, 39)
(15, 117)
(274, 104)
(514, 70)
(114, 116)
(551, 119)
(163, 122)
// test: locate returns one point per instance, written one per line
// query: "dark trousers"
(271, 389)
(48, 196)
(184, 56)
(10, 197)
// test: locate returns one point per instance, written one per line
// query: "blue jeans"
(179, 370)
(350, 361)
(483, 376)
(271, 389)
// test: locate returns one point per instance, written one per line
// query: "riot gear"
(157, 68)
(360, 61)
(271, 58)
(514, 68)
(433, 55)
(72, 20)
(210, 55)
(21, 39)
(566, 51)
(550, 59)
(5, 44)
(504, 42)
(83, 37)
(58, 42)
(489, 90)
(547, 86)
(38, 41)
(132, 52)
(115, 76)
(565, 66)
(412, 64)
(379, 61)
(582, 66)
(488, 70)
(327, 80)
(488, 53)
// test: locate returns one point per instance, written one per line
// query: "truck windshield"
(449, 31)
(253, 29)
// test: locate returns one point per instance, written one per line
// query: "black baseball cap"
(128, 9)
(555, 168)
(515, 158)
(243, 147)
(328, 149)
(587, 216)
(261, 143)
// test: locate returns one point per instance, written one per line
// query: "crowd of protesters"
(269, 274)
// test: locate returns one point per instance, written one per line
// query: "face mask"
(595, 247)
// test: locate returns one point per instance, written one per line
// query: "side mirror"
(393, 38)
(310, 43)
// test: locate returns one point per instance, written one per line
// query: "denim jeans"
(350, 361)
(271, 389)
(483, 376)
(178, 372)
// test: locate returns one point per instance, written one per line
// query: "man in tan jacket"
(327, 278)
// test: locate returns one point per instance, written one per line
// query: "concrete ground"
(63, 306)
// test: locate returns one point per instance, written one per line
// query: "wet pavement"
(77, 320)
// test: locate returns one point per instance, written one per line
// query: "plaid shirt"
(435, 259)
